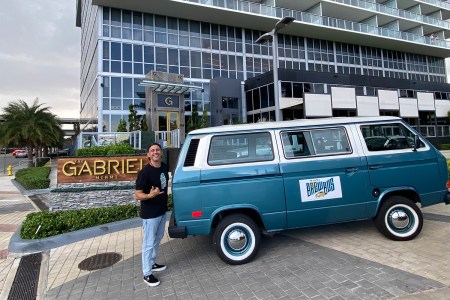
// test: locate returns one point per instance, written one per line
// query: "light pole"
(272, 35)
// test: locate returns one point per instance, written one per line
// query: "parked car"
(14, 151)
(236, 182)
(21, 153)
(6, 150)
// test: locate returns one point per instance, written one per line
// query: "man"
(151, 191)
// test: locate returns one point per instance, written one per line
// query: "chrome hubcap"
(236, 239)
(399, 219)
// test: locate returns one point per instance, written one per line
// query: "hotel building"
(337, 58)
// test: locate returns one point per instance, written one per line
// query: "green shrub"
(444, 147)
(109, 150)
(34, 178)
(448, 166)
(42, 161)
(45, 224)
(170, 202)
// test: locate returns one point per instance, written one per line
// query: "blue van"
(239, 181)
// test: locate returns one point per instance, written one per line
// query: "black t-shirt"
(158, 177)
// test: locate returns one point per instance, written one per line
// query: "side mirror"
(416, 142)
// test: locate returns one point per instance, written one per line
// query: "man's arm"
(141, 196)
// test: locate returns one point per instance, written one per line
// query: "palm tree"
(30, 126)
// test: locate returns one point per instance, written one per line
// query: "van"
(239, 181)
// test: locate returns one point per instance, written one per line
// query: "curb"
(19, 245)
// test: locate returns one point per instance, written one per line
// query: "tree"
(194, 122)
(204, 120)
(122, 127)
(144, 126)
(133, 119)
(30, 126)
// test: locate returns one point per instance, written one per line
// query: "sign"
(99, 169)
(165, 100)
(320, 188)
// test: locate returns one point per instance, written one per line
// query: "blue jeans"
(153, 233)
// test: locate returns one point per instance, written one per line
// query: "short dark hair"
(155, 144)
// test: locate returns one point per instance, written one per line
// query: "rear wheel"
(236, 239)
(399, 219)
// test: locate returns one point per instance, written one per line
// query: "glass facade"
(134, 43)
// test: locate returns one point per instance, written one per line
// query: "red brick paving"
(3, 253)
(8, 227)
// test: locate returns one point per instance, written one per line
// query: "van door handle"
(375, 167)
(351, 170)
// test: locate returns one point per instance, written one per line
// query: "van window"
(381, 137)
(240, 148)
(315, 142)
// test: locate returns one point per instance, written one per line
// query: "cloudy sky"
(40, 54)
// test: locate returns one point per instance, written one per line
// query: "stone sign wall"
(99, 169)
(94, 182)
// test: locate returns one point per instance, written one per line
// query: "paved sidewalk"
(342, 261)
(13, 209)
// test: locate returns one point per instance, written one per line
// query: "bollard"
(9, 169)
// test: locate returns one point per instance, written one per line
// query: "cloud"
(40, 54)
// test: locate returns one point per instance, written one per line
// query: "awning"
(167, 87)
(388, 100)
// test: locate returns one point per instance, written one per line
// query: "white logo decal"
(163, 180)
(168, 101)
(320, 188)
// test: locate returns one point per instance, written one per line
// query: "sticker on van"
(320, 188)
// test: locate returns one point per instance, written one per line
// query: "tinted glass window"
(315, 142)
(240, 148)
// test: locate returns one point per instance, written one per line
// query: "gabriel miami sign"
(99, 169)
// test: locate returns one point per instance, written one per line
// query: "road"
(7, 160)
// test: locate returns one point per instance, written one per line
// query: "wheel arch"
(250, 212)
(407, 192)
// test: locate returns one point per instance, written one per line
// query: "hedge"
(33, 178)
(109, 150)
(45, 224)
(444, 147)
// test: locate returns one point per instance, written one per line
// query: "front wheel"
(399, 219)
(236, 239)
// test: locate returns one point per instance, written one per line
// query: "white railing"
(168, 139)
(278, 12)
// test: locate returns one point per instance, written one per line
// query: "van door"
(242, 171)
(392, 163)
(324, 177)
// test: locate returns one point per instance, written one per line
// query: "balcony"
(376, 7)
(304, 17)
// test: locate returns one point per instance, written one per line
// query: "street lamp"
(272, 35)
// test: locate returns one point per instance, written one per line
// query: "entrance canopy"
(168, 87)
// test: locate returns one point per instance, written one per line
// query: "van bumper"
(176, 232)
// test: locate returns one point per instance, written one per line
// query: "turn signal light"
(448, 184)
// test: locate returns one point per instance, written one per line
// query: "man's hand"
(154, 192)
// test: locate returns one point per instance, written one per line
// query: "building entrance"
(168, 121)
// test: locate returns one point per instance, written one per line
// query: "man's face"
(154, 153)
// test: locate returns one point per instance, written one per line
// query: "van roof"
(292, 123)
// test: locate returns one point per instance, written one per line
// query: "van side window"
(315, 142)
(240, 148)
(382, 137)
(294, 144)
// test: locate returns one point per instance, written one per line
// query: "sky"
(40, 55)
